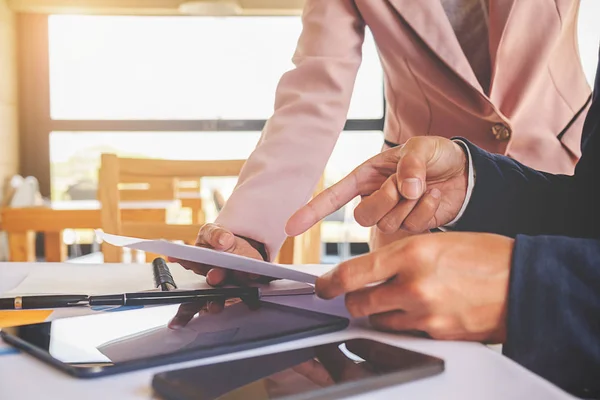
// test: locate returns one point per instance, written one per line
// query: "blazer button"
(501, 132)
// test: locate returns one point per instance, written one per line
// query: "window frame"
(36, 123)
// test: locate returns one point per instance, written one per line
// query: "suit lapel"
(428, 20)
(500, 11)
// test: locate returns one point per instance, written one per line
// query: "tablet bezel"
(168, 384)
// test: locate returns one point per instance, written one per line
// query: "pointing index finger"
(325, 203)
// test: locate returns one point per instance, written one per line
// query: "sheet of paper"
(85, 279)
(94, 279)
(10, 279)
(216, 258)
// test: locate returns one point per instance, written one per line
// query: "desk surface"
(473, 371)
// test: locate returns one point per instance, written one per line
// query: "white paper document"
(98, 279)
(298, 273)
(10, 279)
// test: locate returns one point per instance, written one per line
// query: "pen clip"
(84, 302)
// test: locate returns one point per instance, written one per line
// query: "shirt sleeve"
(311, 106)
(470, 186)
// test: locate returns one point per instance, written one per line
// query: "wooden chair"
(306, 248)
(132, 179)
(186, 190)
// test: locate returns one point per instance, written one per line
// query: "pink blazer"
(534, 113)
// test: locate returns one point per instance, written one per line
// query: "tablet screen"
(110, 339)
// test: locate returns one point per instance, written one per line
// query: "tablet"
(328, 371)
(112, 342)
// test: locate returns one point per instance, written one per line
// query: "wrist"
(467, 179)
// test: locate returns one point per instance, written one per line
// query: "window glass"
(589, 37)
(75, 158)
(118, 67)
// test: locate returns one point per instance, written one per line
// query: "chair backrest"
(137, 179)
(305, 248)
(159, 180)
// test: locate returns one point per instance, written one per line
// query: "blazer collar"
(428, 20)
(500, 12)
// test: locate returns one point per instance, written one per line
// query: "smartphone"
(329, 371)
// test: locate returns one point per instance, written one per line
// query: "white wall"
(589, 36)
(9, 151)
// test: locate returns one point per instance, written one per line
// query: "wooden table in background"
(21, 224)
(193, 201)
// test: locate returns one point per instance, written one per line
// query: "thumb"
(412, 168)
(215, 237)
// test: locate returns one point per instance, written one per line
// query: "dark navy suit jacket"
(554, 297)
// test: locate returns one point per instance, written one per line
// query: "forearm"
(553, 321)
(311, 105)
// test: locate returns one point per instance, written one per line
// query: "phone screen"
(277, 376)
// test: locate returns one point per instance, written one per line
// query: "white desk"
(472, 370)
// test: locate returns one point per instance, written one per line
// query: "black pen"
(50, 301)
(173, 297)
(128, 299)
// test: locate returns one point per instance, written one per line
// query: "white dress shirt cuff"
(470, 186)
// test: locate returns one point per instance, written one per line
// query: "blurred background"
(157, 79)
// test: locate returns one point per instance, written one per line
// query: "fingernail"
(436, 194)
(210, 280)
(174, 325)
(320, 284)
(224, 238)
(289, 225)
(296, 222)
(213, 278)
(411, 188)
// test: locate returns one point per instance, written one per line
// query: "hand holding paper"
(303, 273)
(215, 237)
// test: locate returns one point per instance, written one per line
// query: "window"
(182, 68)
(75, 157)
(186, 88)
(589, 37)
